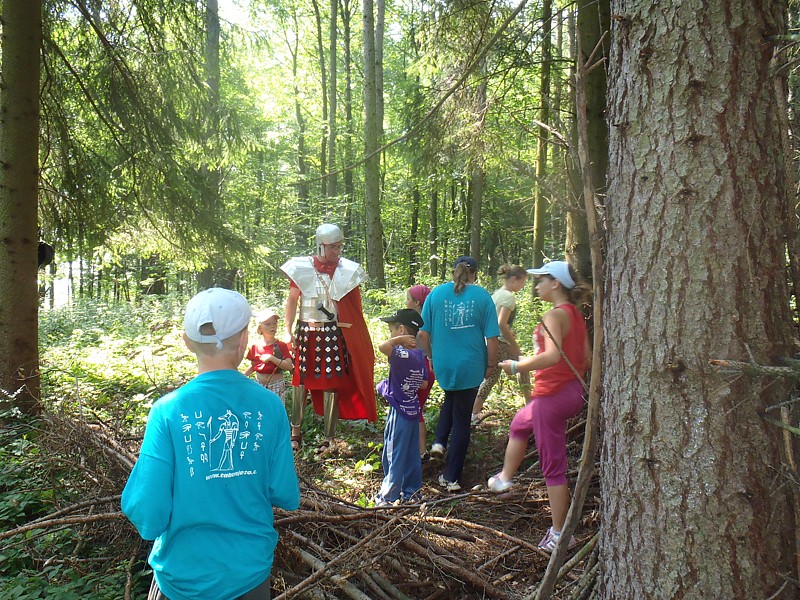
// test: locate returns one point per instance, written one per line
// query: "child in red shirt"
(269, 357)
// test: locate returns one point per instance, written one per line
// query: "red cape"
(357, 399)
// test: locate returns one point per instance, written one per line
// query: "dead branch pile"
(472, 545)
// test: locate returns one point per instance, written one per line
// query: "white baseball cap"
(264, 315)
(227, 311)
(557, 269)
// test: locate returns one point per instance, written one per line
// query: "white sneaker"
(449, 486)
(497, 484)
(437, 451)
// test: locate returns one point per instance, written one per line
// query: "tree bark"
(433, 232)
(302, 161)
(19, 178)
(694, 505)
(592, 22)
(349, 186)
(330, 187)
(372, 206)
(541, 212)
(323, 154)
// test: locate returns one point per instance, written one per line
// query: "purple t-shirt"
(407, 370)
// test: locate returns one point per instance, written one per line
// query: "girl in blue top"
(459, 333)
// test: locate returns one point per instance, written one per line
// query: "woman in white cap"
(561, 357)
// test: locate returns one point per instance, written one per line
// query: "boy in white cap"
(215, 460)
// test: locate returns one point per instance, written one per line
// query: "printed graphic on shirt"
(459, 314)
(219, 447)
(413, 379)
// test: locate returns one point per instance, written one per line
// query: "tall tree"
(330, 186)
(592, 23)
(19, 148)
(540, 214)
(374, 231)
(478, 173)
(349, 185)
(215, 273)
(693, 504)
(323, 73)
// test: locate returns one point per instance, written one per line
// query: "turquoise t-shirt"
(215, 459)
(458, 325)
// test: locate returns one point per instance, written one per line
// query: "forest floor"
(469, 544)
(69, 539)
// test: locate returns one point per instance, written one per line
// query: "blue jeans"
(402, 466)
(454, 423)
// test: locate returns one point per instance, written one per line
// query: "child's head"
(404, 321)
(415, 297)
(215, 320)
(267, 321)
(514, 277)
(565, 278)
(465, 271)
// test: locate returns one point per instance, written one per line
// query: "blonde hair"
(463, 274)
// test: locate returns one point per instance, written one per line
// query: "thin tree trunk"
(478, 177)
(541, 212)
(302, 164)
(433, 232)
(19, 147)
(372, 206)
(349, 187)
(413, 264)
(330, 188)
(323, 155)
(694, 504)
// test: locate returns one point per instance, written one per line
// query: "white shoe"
(449, 486)
(496, 484)
(437, 451)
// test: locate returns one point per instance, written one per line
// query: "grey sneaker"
(449, 486)
(437, 451)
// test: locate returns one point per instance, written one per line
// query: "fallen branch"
(63, 521)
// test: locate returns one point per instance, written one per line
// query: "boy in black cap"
(408, 374)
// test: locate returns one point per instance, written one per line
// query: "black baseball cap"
(470, 262)
(405, 316)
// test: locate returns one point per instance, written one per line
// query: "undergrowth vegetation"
(102, 368)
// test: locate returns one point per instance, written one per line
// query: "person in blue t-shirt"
(216, 458)
(408, 374)
(460, 334)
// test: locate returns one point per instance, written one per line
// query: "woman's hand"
(506, 366)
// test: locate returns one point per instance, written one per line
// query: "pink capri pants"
(546, 418)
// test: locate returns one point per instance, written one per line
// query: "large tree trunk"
(217, 272)
(19, 175)
(694, 505)
(372, 206)
(593, 19)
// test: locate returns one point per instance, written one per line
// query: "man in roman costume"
(334, 358)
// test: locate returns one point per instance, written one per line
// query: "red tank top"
(550, 380)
